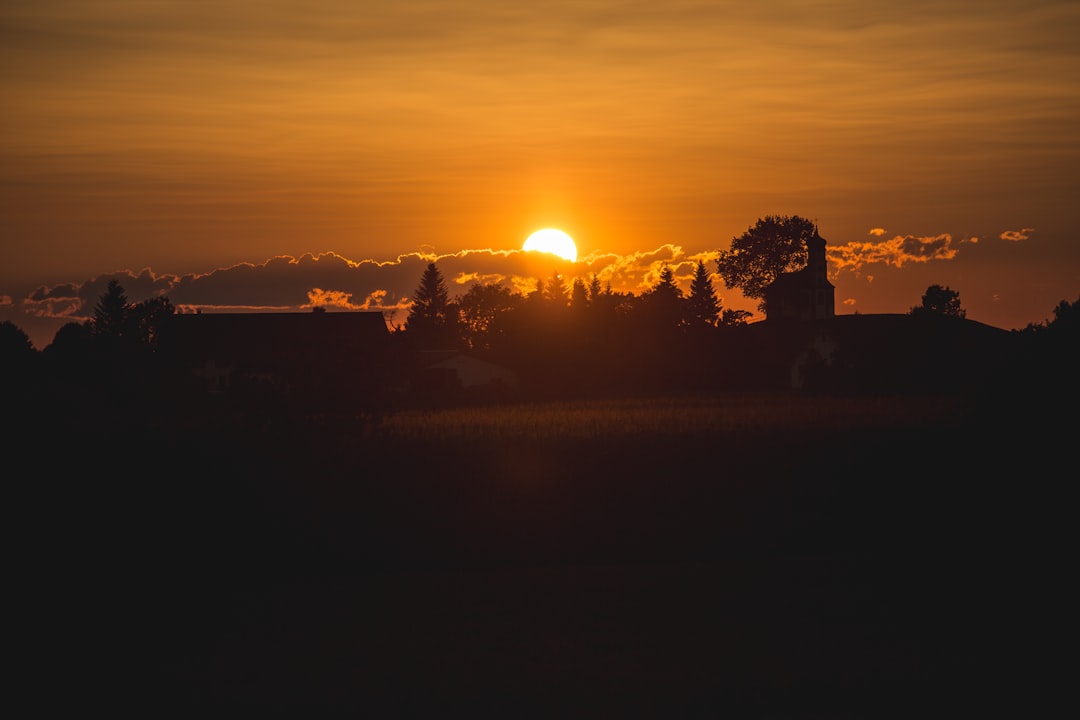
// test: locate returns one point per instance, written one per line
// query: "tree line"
(574, 334)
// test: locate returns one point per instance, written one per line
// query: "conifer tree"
(594, 289)
(111, 312)
(665, 303)
(555, 291)
(579, 294)
(703, 304)
(430, 316)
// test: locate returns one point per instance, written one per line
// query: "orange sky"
(934, 142)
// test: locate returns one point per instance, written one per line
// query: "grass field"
(744, 555)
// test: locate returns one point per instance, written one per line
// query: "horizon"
(274, 157)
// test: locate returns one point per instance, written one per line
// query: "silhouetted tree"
(111, 313)
(119, 324)
(72, 339)
(731, 318)
(17, 354)
(579, 294)
(148, 318)
(595, 290)
(664, 305)
(479, 310)
(939, 300)
(19, 362)
(555, 292)
(431, 316)
(1066, 318)
(775, 244)
(702, 303)
(14, 342)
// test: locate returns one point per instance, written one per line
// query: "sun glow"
(552, 241)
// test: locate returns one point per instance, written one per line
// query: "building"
(805, 294)
(298, 351)
(457, 370)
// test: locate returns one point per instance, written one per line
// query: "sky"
(278, 154)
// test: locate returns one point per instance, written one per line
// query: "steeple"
(806, 294)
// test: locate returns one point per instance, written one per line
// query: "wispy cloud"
(895, 252)
(1017, 235)
(336, 282)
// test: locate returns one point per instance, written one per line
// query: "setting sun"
(552, 241)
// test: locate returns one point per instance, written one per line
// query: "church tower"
(824, 299)
(806, 294)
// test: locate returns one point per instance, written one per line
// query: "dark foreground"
(893, 571)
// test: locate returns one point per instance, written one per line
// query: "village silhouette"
(237, 505)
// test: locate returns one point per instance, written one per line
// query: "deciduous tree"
(940, 300)
(775, 244)
(479, 310)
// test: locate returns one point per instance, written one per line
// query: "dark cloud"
(336, 282)
(896, 252)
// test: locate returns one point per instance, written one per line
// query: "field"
(749, 555)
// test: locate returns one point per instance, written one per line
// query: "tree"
(73, 339)
(431, 315)
(147, 319)
(111, 313)
(118, 323)
(775, 244)
(731, 318)
(479, 310)
(579, 295)
(703, 305)
(664, 302)
(14, 342)
(17, 353)
(555, 291)
(939, 300)
(595, 290)
(1066, 316)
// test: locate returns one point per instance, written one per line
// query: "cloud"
(335, 282)
(895, 252)
(877, 232)
(1017, 235)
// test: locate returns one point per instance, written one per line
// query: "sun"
(552, 241)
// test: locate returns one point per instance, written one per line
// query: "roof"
(244, 335)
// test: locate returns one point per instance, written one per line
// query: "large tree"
(14, 342)
(17, 354)
(775, 244)
(148, 318)
(703, 304)
(555, 291)
(664, 302)
(431, 315)
(111, 313)
(579, 295)
(479, 310)
(940, 300)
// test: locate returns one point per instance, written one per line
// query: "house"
(297, 351)
(880, 353)
(805, 294)
(445, 370)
